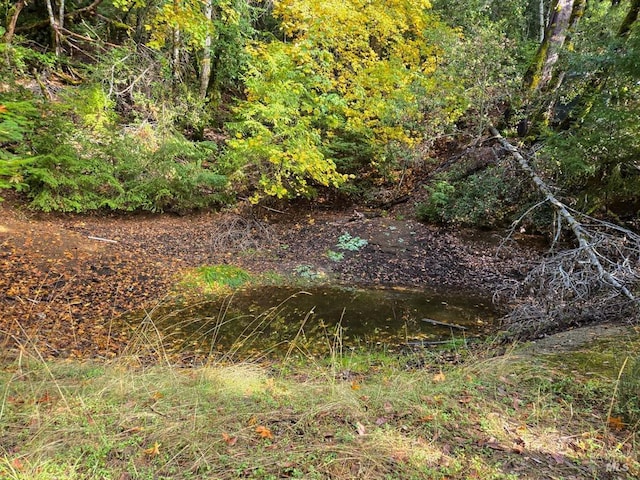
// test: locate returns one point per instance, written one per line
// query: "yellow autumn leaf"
(439, 377)
(154, 450)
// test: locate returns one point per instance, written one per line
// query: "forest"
(176, 106)
(165, 164)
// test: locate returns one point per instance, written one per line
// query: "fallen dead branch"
(239, 233)
(594, 281)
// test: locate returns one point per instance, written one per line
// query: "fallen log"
(569, 284)
(578, 230)
(443, 324)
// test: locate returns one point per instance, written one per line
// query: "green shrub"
(84, 162)
(16, 120)
(490, 198)
(433, 210)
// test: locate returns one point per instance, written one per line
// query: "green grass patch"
(224, 279)
(214, 279)
(349, 415)
(227, 275)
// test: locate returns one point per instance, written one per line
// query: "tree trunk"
(543, 23)
(564, 15)
(630, 19)
(175, 56)
(11, 26)
(61, 14)
(55, 29)
(205, 73)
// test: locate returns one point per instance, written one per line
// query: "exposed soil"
(66, 279)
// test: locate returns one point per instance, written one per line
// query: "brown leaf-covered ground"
(66, 279)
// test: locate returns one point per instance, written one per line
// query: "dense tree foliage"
(351, 87)
(167, 104)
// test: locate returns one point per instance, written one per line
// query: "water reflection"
(285, 320)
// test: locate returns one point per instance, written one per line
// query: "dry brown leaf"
(46, 398)
(16, 463)
(134, 430)
(615, 423)
(3, 109)
(388, 408)
(518, 446)
(355, 385)
(360, 428)
(229, 440)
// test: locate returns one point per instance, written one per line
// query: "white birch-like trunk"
(205, 73)
(55, 27)
(543, 22)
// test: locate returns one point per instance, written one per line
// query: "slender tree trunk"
(11, 26)
(543, 23)
(175, 56)
(55, 27)
(205, 73)
(61, 14)
(564, 15)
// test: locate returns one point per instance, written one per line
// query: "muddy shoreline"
(66, 279)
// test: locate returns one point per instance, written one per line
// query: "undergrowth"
(348, 415)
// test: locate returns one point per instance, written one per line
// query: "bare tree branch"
(584, 282)
(583, 237)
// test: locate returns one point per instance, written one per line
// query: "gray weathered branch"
(585, 240)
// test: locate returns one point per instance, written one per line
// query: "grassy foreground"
(348, 416)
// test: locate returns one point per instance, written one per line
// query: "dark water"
(320, 320)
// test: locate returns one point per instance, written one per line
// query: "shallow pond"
(320, 320)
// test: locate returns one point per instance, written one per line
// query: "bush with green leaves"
(83, 161)
(490, 198)
(17, 118)
(351, 84)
